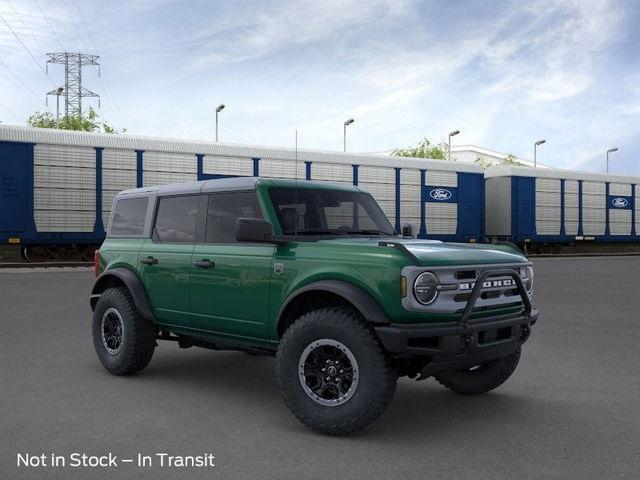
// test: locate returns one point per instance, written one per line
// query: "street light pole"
(535, 152)
(611, 150)
(344, 133)
(218, 110)
(451, 134)
(58, 93)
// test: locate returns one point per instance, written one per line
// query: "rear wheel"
(124, 341)
(480, 378)
(333, 374)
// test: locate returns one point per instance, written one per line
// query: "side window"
(224, 210)
(128, 216)
(176, 219)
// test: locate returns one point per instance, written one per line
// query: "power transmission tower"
(73, 91)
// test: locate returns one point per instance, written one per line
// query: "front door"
(165, 259)
(230, 281)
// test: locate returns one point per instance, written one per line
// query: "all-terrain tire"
(138, 335)
(481, 379)
(377, 377)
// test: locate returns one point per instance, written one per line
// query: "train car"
(544, 210)
(57, 186)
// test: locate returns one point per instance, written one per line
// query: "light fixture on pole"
(451, 134)
(611, 150)
(344, 134)
(535, 152)
(218, 110)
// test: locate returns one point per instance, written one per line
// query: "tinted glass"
(224, 210)
(311, 211)
(128, 216)
(176, 219)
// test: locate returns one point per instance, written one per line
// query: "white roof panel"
(513, 171)
(14, 133)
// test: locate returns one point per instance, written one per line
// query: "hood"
(436, 253)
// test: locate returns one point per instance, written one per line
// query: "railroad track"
(44, 264)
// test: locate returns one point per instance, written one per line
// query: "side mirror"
(253, 230)
(407, 230)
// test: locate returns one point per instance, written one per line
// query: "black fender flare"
(133, 284)
(361, 300)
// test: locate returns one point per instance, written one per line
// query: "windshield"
(317, 211)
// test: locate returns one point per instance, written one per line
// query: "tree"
(425, 149)
(88, 123)
(510, 159)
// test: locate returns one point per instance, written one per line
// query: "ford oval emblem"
(440, 194)
(619, 202)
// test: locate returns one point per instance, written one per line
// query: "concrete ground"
(571, 410)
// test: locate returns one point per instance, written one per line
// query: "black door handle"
(205, 263)
(149, 261)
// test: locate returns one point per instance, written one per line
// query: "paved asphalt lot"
(571, 410)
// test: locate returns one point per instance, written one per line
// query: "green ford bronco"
(314, 274)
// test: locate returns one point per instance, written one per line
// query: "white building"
(471, 153)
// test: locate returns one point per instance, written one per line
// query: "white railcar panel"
(118, 159)
(118, 179)
(64, 156)
(282, 169)
(620, 221)
(441, 218)
(547, 185)
(214, 165)
(64, 220)
(571, 186)
(409, 176)
(620, 189)
(595, 188)
(441, 179)
(58, 199)
(498, 206)
(381, 191)
(169, 162)
(571, 228)
(548, 206)
(410, 193)
(593, 228)
(384, 175)
(64, 177)
(161, 178)
(332, 172)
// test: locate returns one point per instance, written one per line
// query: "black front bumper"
(466, 343)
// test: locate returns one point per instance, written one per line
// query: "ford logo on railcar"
(619, 202)
(440, 194)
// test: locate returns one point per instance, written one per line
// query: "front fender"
(361, 300)
(133, 284)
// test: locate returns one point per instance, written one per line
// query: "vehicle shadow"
(423, 409)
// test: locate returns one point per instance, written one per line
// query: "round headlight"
(528, 283)
(425, 288)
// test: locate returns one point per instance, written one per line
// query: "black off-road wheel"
(332, 372)
(124, 341)
(480, 378)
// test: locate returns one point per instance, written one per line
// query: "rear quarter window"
(129, 216)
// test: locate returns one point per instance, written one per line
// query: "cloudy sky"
(504, 73)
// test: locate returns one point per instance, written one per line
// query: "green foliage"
(425, 149)
(87, 123)
(510, 159)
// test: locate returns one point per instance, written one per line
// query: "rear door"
(230, 281)
(165, 258)
(13, 187)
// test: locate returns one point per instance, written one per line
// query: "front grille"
(458, 283)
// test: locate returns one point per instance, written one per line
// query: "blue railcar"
(545, 209)
(57, 187)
